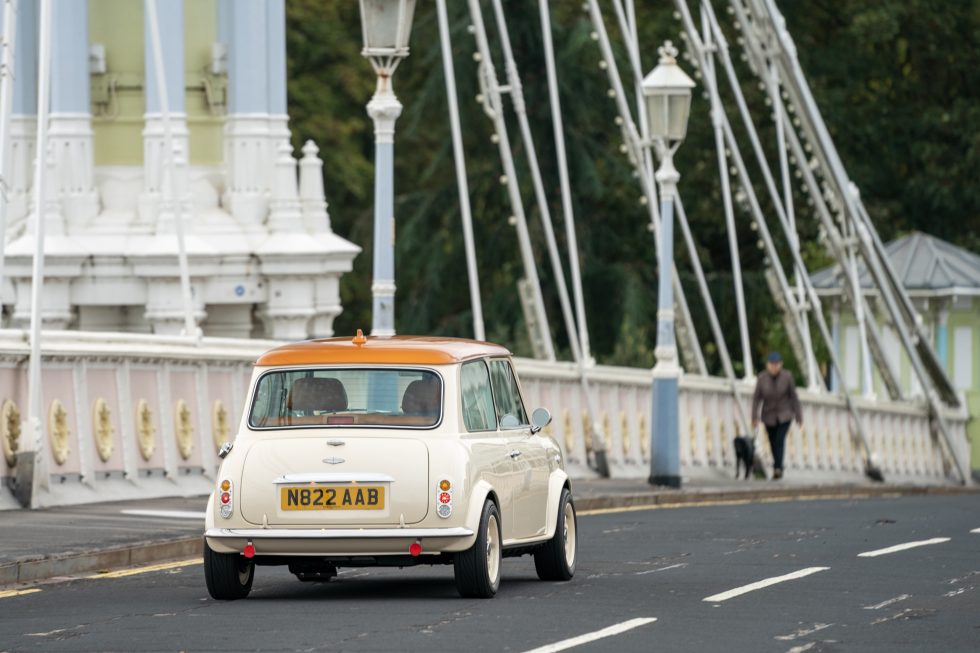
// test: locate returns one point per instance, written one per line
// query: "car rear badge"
(333, 461)
(335, 443)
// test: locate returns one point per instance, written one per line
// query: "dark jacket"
(777, 397)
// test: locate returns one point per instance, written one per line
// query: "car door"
(489, 449)
(530, 457)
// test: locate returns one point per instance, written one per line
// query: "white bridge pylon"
(807, 181)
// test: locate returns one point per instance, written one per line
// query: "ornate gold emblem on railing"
(102, 429)
(185, 429)
(59, 431)
(624, 430)
(587, 430)
(220, 429)
(566, 427)
(641, 428)
(10, 431)
(145, 431)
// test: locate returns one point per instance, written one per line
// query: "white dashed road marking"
(884, 604)
(975, 530)
(653, 571)
(593, 636)
(758, 585)
(902, 547)
(172, 514)
(803, 632)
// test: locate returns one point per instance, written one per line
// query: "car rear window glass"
(347, 398)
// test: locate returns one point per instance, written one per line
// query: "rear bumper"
(338, 541)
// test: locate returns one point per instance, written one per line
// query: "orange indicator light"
(444, 485)
(225, 485)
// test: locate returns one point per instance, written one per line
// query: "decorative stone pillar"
(312, 200)
(165, 306)
(287, 312)
(326, 305)
(70, 127)
(170, 21)
(284, 210)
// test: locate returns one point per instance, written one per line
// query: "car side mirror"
(540, 418)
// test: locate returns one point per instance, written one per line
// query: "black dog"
(744, 454)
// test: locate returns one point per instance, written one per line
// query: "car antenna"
(359, 338)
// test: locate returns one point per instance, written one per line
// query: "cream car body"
(407, 462)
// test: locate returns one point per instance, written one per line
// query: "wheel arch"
(559, 481)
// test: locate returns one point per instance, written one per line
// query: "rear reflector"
(415, 549)
(249, 551)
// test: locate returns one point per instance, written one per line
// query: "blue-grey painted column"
(276, 43)
(835, 336)
(25, 59)
(71, 137)
(249, 151)
(170, 19)
(248, 78)
(384, 109)
(665, 463)
(942, 337)
(69, 57)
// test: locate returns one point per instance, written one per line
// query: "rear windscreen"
(346, 398)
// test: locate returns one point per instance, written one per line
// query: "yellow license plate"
(332, 497)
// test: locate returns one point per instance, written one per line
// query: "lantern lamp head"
(667, 90)
(386, 26)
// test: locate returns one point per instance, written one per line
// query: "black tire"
(477, 569)
(229, 575)
(555, 559)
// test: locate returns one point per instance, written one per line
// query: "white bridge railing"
(130, 416)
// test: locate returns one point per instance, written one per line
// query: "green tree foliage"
(895, 79)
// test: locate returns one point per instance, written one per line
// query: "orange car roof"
(410, 350)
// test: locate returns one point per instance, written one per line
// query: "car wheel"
(478, 568)
(555, 560)
(229, 576)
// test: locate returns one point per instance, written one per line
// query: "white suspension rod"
(517, 100)
(34, 432)
(190, 327)
(7, 64)
(711, 82)
(563, 182)
(489, 76)
(462, 185)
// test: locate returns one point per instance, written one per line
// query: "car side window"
(478, 412)
(506, 396)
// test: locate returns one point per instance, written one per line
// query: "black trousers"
(777, 442)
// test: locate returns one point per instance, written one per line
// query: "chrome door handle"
(514, 453)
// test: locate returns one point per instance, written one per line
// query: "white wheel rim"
(243, 574)
(493, 550)
(568, 524)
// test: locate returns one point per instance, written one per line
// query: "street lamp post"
(667, 90)
(386, 25)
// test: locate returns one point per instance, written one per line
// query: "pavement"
(54, 543)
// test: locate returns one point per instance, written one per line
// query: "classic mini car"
(388, 452)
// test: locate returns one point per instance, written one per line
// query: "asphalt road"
(757, 577)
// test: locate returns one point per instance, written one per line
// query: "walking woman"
(775, 395)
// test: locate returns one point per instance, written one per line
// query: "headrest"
(312, 394)
(422, 397)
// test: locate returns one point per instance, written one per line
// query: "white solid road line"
(593, 636)
(172, 514)
(758, 585)
(902, 547)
